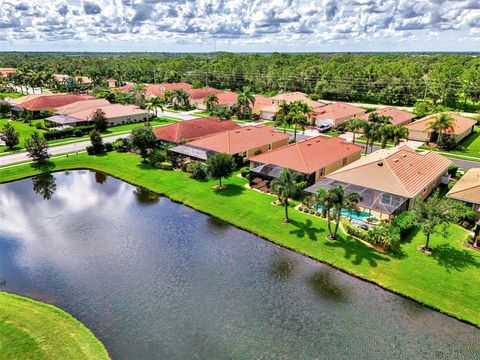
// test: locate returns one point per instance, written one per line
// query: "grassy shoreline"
(411, 274)
(34, 330)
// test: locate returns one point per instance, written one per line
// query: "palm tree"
(442, 124)
(299, 114)
(180, 98)
(399, 133)
(244, 99)
(154, 104)
(210, 101)
(385, 132)
(284, 186)
(333, 201)
(354, 126)
(281, 118)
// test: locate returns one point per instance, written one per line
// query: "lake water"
(157, 280)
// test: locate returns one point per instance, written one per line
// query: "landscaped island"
(34, 330)
(451, 269)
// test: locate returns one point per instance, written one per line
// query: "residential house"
(48, 102)
(314, 158)
(420, 130)
(79, 79)
(269, 110)
(80, 106)
(397, 117)
(389, 180)
(193, 129)
(335, 114)
(467, 189)
(157, 90)
(4, 72)
(243, 142)
(112, 83)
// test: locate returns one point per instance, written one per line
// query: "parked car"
(324, 128)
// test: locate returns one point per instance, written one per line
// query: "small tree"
(97, 142)
(4, 107)
(37, 148)
(285, 186)
(100, 120)
(220, 166)
(143, 139)
(10, 136)
(430, 214)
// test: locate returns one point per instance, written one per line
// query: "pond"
(154, 279)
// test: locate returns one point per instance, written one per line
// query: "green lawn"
(452, 269)
(34, 330)
(10, 95)
(470, 146)
(25, 130)
(203, 114)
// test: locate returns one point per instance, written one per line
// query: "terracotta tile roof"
(398, 171)
(309, 155)
(398, 117)
(227, 98)
(111, 111)
(260, 103)
(180, 85)
(157, 89)
(200, 93)
(461, 123)
(468, 187)
(335, 111)
(5, 71)
(50, 101)
(239, 140)
(81, 105)
(193, 129)
(295, 96)
(22, 99)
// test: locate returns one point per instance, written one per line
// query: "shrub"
(122, 145)
(353, 230)
(318, 213)
(164, 165)
(68, 132)
(39, 125)
(78, 132)
(305, 210)
(197, 170)
(90, 150)
(109, 146)
(311, 212)
(452, 170)
(245, 171)
(157, 156)
(404, 222)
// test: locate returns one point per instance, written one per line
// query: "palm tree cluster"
(28, 78)
(294, 114)
(245, 98)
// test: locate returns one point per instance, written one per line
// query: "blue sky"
(239, 25)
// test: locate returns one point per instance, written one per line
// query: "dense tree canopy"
(401, 79)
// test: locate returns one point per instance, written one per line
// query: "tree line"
(449, 80)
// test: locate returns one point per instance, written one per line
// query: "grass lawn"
(11, 95)
(452, 269)
(470, 146)
(24, 129)
(34, 330)
(202, 114)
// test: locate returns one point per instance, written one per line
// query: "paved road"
(180, 116)
(56, 150)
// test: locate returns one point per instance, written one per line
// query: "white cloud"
(244, 21)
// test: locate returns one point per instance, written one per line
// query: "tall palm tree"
(299, 113)
(399, 133)
(354, 127)
(245, 98)
(180, 98)
(210, 101)
(284, 186)
(385, 132)
(155, 103)
(281, 118)
(442, 124)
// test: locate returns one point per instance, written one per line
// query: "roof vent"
(404, 155)
(380, 163)
(309, 144)
(395, 160)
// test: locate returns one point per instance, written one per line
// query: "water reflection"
(100, 177)
(145, 196)
(325, 284)
(44, 185)
(281, 267)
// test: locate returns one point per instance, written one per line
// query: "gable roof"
(399, 171)
(81, 105)
(111, 111)
(309, 155)
(239, 140)
(157, 89)
(193, 129)
(295, 96)
(227, 98)
(461, 123)
(467, 188)
(398, 117)
(52, 101)
(261, 102)
(338, 110)
(25, 98)
(200, 93)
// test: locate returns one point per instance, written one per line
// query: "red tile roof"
(227, 98)
(260, 102)
(200, 93)
(398, 117)
(461, 123)
(5, 71)
(335, 111)
(111, 111)
(52, 101)
(309, 155)
(239, 140)
(193, 129)
(157, 89)
(171, 86)
(81, 105)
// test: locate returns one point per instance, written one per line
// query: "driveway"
(181, 116)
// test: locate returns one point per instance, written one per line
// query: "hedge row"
(68, 132)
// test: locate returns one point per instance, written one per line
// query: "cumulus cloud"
(243, 20)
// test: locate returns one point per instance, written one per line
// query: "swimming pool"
(350, 214)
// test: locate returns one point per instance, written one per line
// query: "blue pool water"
(350, 214)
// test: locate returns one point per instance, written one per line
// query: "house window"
(321, 172)
(269, 146)
(344, 162)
